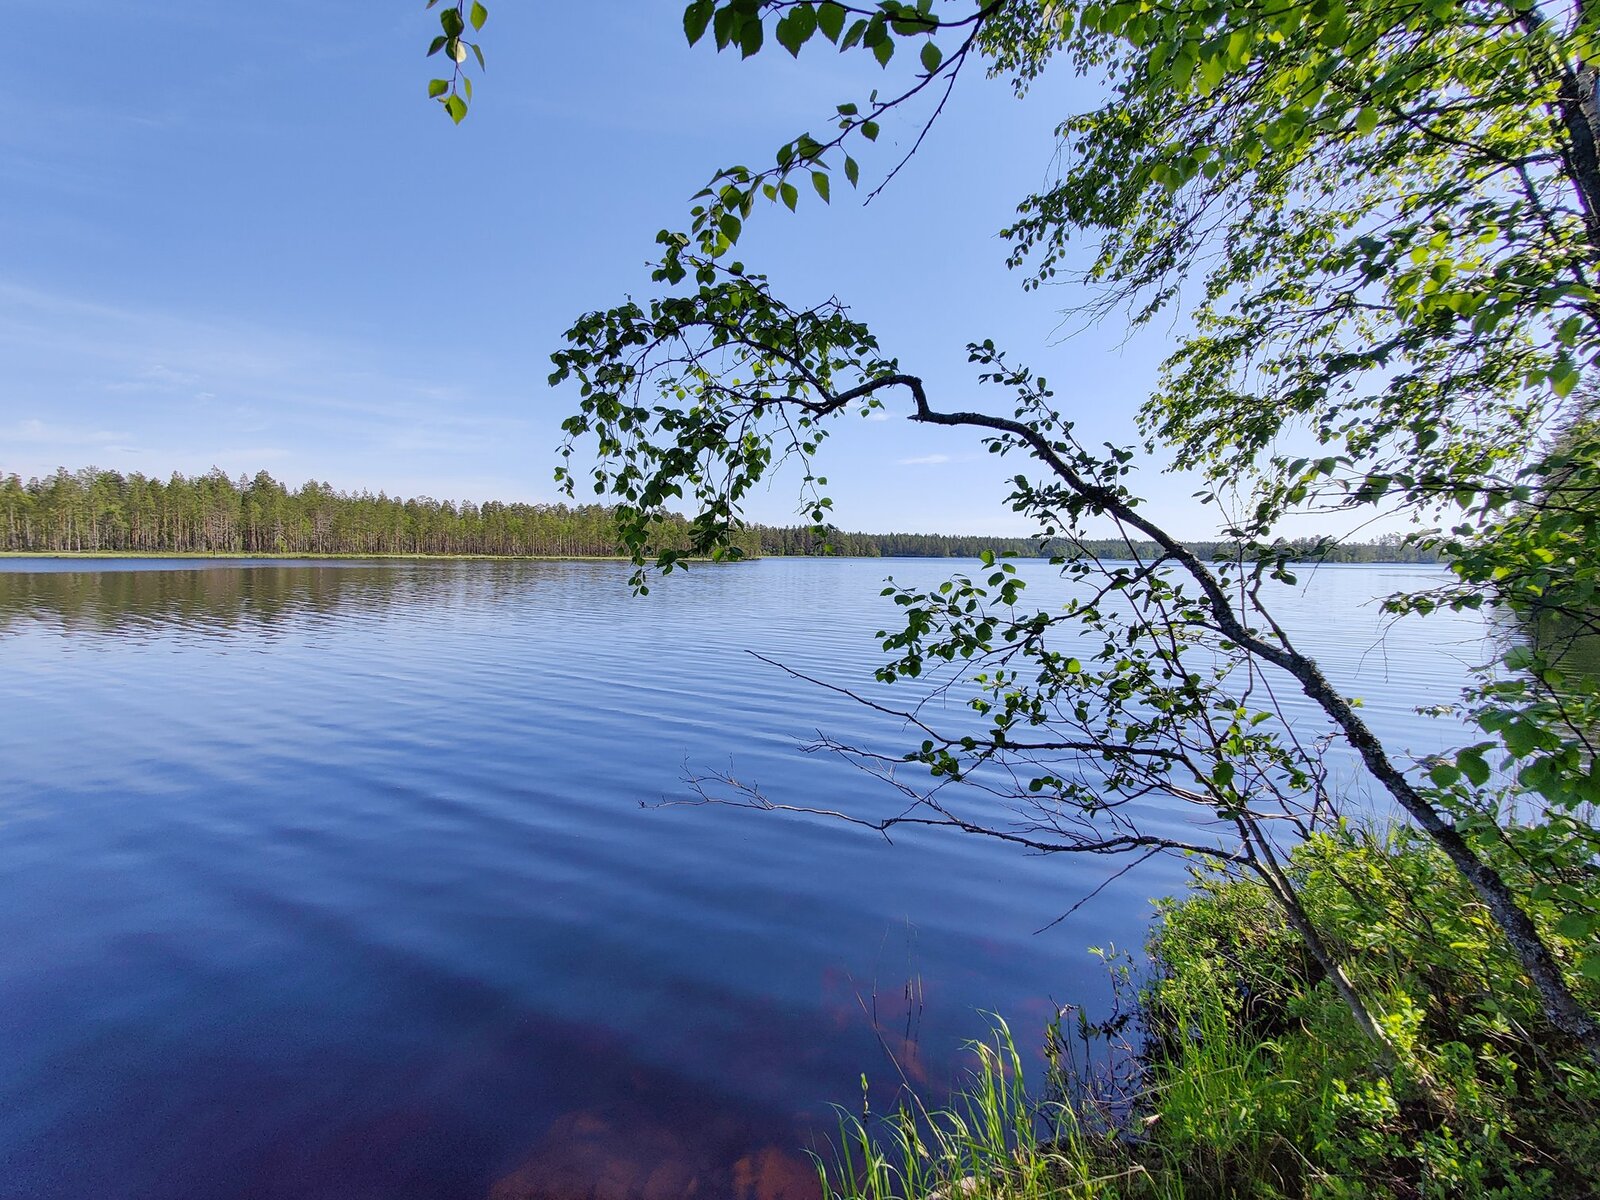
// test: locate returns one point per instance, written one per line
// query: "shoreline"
(311, 556)
(268, 555)
(273, 555)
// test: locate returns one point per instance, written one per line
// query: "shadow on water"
(527, 1108)
(1571, 645)
(576, 1117)
(645, 1134)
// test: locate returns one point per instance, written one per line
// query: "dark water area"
(354, 880)
(1571, 645)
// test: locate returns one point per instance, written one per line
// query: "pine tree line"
(93, 510)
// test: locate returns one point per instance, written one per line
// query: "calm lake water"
(352, 880)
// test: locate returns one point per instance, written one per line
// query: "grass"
(1249, 1079)
(992, 1140)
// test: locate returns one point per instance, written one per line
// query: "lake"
(356, 880)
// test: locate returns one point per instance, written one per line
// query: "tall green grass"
(993, 1140)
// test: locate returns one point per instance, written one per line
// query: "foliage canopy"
(1378, 222)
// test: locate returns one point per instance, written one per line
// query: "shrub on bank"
(1248, 1077)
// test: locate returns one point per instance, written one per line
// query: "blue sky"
(239, 235)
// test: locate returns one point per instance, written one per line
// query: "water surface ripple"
(351, 880)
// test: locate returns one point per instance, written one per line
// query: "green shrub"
(1254, 1081)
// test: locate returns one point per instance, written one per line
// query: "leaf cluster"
(454, 93)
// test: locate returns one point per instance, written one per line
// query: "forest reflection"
(226, 598)
(1572, 645)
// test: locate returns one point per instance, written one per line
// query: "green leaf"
(869, 130)
(1521, 738)
(819, 180)
(450, 21)
(1444, 775)
(436, 45)
(437, 87)
(790, 194)
(830, 19)
(796, 28)
(883, 51)
(478, 14)
(932, 56)
(750, 35)
(852, 170)
(1472, 765)
(456, 107)
(1576, 926)
(1563, 378)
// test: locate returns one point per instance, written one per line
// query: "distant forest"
(95, 510)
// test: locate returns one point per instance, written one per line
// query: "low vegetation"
(1239, 1073)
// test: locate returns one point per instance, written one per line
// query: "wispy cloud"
(252, 457)
(36, 432)
(157, 377)
(924, 460)
(68, 348)
(197, 391)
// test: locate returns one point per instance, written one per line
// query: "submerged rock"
(587, 1155)
(772, 1174)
